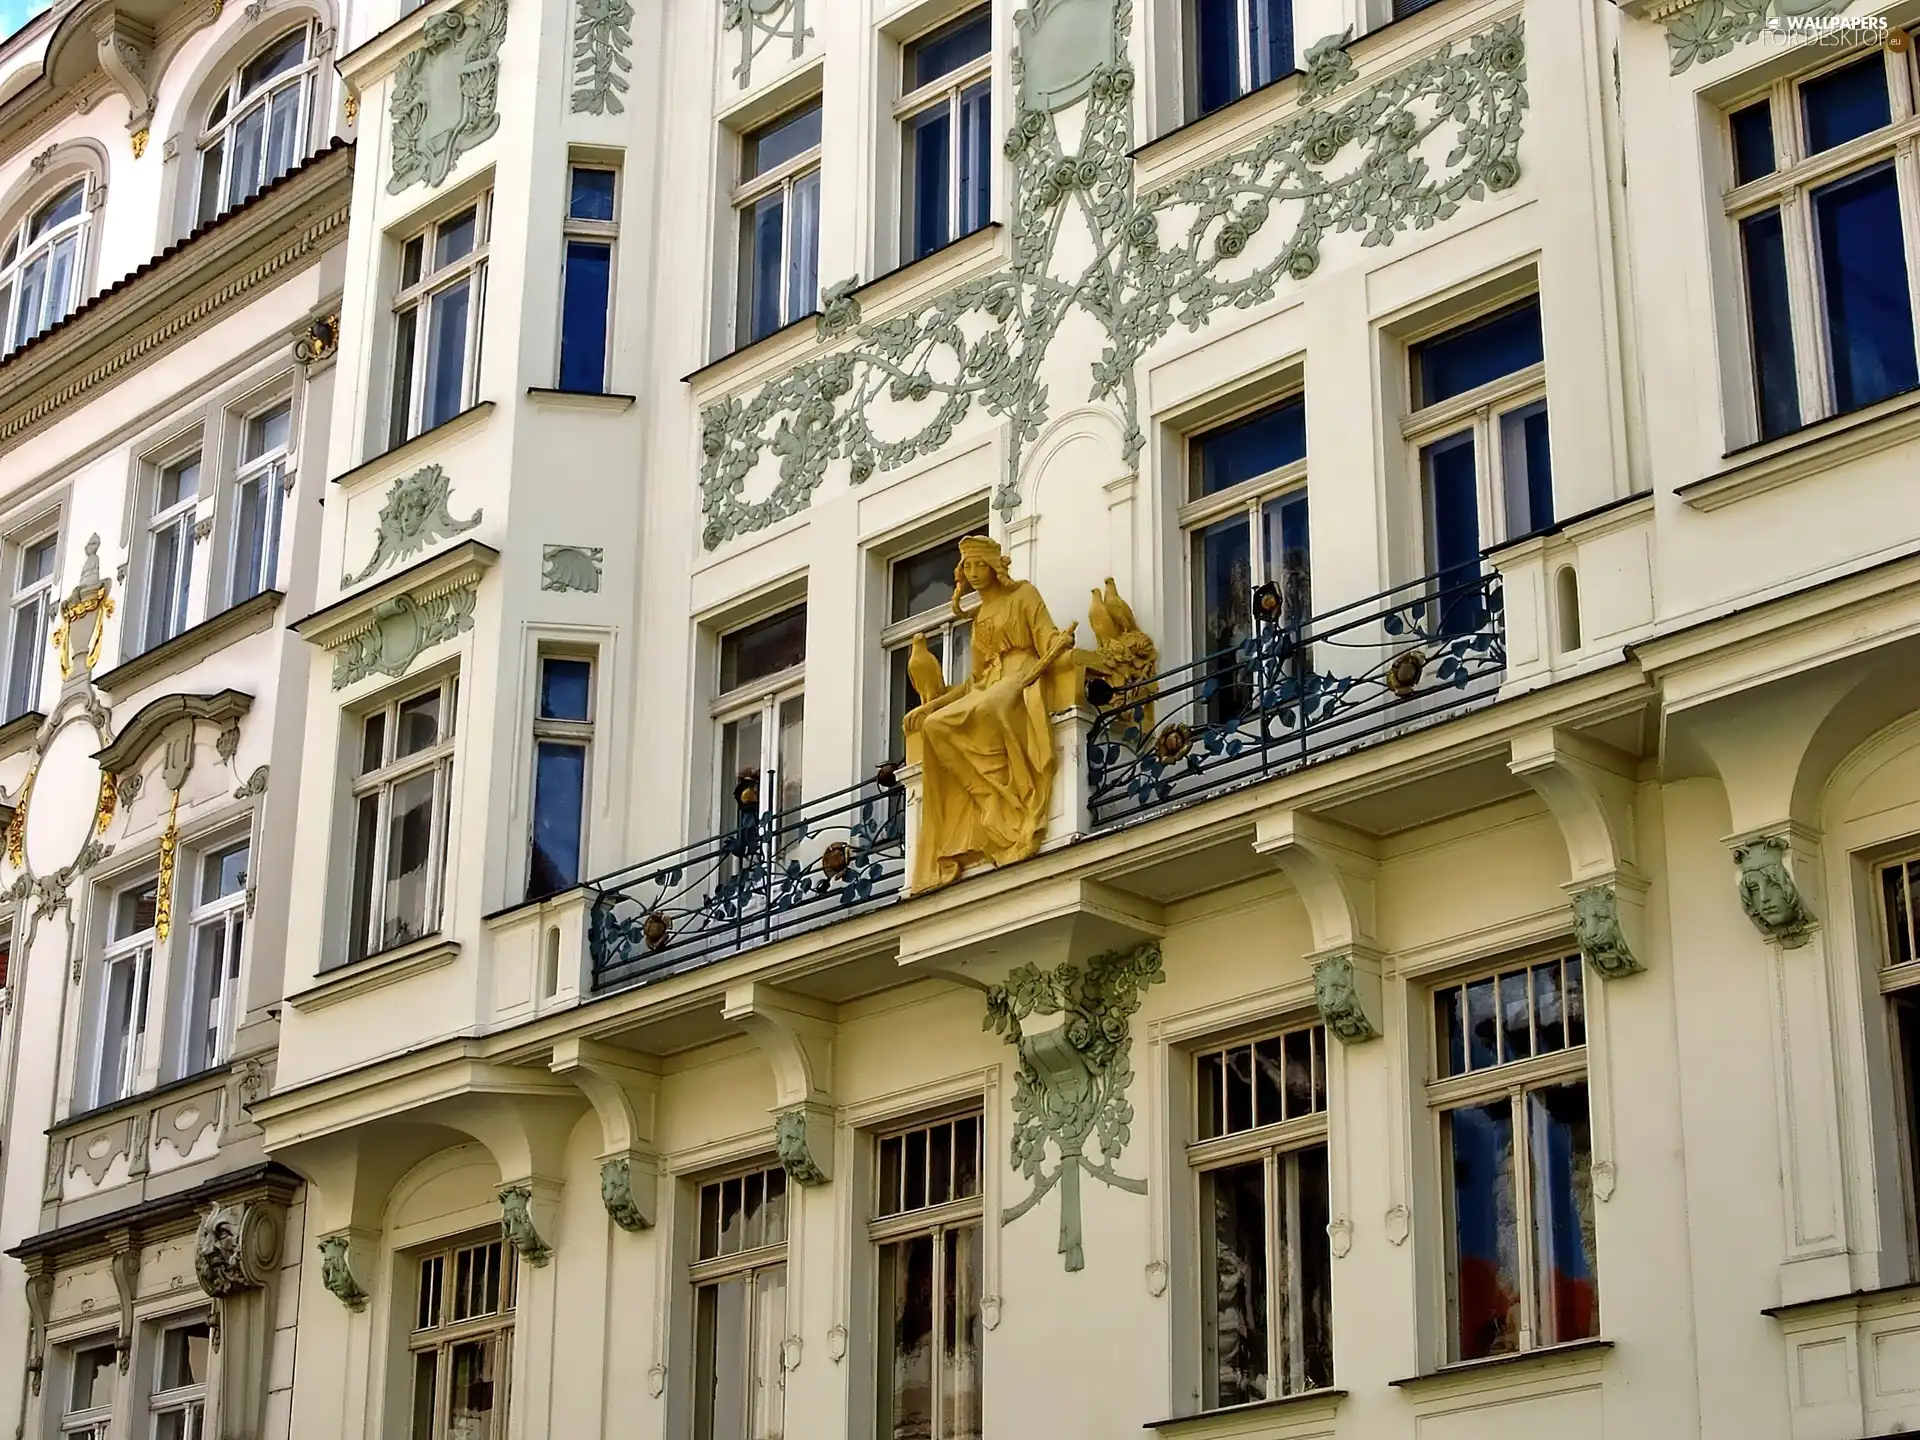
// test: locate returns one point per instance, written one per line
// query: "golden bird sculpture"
(923, 669)
(1121, 612)
(1127, 657)
(1100, 617)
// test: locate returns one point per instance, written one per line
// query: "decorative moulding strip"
(451, 569)
(140, 733)
(579, 399)
(192, 645)
(17, 734)
(408, 451)
(1255, 1421)
(1816, 450)
(377, 973)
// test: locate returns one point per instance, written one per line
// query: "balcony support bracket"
(625, 1097)
(796, 1035)
(1333, 868)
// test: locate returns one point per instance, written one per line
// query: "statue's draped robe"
(987, 757)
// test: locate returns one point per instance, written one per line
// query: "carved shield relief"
(1063, 43)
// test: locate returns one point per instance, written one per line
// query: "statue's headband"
(979, 547)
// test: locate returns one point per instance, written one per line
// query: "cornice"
(368, 61)
(153, 720)
(157, 1219)
(450, 569)
(282, 231)
(191, 645)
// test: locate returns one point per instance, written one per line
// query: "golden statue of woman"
(986, 749)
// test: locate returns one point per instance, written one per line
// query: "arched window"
(40, 265)
(256, 128)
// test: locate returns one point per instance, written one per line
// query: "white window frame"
(238, 105)
(764, 696)
(413, 304)
(578, 733)
(444, 1334)
(944, 91)
(1789, 189)
(187, 1400)
(379, 785)
(1514, 1081)
(273, 471)
(937, 620)
(38, 597)
(1243, 26)
(20, 248)
(181, 516)
(748, 1265)
(602, 232)
(1248, 499)
(139, 951)
(94, 1424)
(227, 916)
(1899, 982)
(746, 194)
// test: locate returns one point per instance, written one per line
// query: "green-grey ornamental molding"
(1327, 66)
(1071, 1086)
(414, 516)
(1708, 29)
(1336, 994)
(446, 93)
(337, 1274)
(616, 1194)
(1064, 44)
(516, 1225)
(1599, 934)
(1171, 257)
(761, 22)
(601, 40)
(400, 630)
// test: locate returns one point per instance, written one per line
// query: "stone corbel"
(624, 1097)
(525, 1207)
(125, 48)
(336, 1269)
(796, 1035)
(237, 1259)
(1333, 869)
(126, 1283)
(39, 1309)
(1770, 866)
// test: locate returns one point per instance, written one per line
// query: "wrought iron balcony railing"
(773, 874)
(1295, 692)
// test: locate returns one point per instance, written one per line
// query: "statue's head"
(1766, 890)
(983, 567)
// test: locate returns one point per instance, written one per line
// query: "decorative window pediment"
(385, 628)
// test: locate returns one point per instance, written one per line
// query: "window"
(462, 1342)
(761, 712)
(256, 128)
(920, 603)
(437, 321)
(1818, 203)
(926, 1227)
(562, 740)
(946, 118)
(400, 800)
(778, 200)
(40, 266)
(33, 600)
(1516, 1147)
(91, 1371)
(176, 494)
(260, 489)
(1238, 46)
(213, 978)
(739, 1279)
(586, 290)
(1266, 1271)
(179, 1397)
(1479, 429)
(126, 974)
(1899, 974)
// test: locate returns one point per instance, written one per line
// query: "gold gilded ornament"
(163, 882)
(103, 808)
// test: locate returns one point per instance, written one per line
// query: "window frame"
(141, 950)
(748, 191)
(22, 246)
(189, 449)
(940, 619)
(239, 104)
(444, 1334)
(275, 470)
(709, 1272)
(600, 232)
(945, 90)
(380, 784)
(230, 914)
(41, 595)
(412, 305)
(1243, 10)
(1788, 190)
(765, 696)
(96, 1423)
(574, 733)
(191, 1399)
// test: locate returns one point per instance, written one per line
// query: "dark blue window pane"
(565, 689)
(1845, 104)
(949, 47)
(1863, 274)
(785, 138)
(1404, 8)
(559, 785)
(976, 156)
(931, 133)
(583, 316)
(1526, 466)
(1752, 142)
(1456, 362)
(592, 197)
(1271, 42)
(1775, 390)
(447, 354)
(1283, 525)
(1226, 585)
(1216, 25)
(1484, 1283)
(766, 230)
(1253, 447)
(1453, 512)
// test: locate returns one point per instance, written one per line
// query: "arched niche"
(1077, 517)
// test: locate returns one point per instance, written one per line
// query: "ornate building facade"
(174, 203)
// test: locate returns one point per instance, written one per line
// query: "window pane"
(1575, 1002)
(121, 1003)
(1453, 517)
(33, 289)
(1283, 539)
(412, 261)
(1894, 886)
(566, 688)
(210, 161)
(1484, 1273)
(775, 144)
(925, 581)
(182, 1423)
(267, 432)
(1225, 583)
(283, 132)
(559, 794)
(419, 725)
(183, 1356)
(1560, 1155)
(134, 910)
(248, 138)
(592, 194)
(1906, 1018)
(1527, 469)
(1209, 1081)
(1216, 25)
(761, 260)
(1845, 104)
(1239, 1062)
(929, 142)
(1233, 1206)
(720, 1360)
(425, 1372)
(1752, 141)
(453, 239)
(776, 1214)
(373, 742)
(1516, 1014)
(1299, 1073)
(366, 831)
(61, 208)
(906, 1329)
(1306, 1280)
(60, 296)
(447, 354)
(400, 416)
(409, 858)
(1483, 1045)
(1776, 388)
(976, 157)
(947, 49)
(1269, 39)
(1471, 356)
(279, 57)
(1863, 276)
(204, 1018)
(1450, 1032)
(23, 663)
(470, 1390)
(790, 761)
(960, 1335)
(768, 1395)
(764, 648)
(583, 315)
(1254, 446)
(93, 1372)
(1549, 1025)
(803, 249)
(1273, 1080)
(966, 1157)
(740, 756)
(36, 561)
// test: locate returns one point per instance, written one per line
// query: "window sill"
(580, 399)
(1249, 1420)
(1756, 469)
(1853, 1300)
(191, 645)
(1581, 1355)
(408, 449)
(376, 972)
(17, 734)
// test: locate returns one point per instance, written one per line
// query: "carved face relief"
(1768, 893)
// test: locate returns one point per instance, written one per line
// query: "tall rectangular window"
(739, 1276)
(218, 923)
(437, 315)
(176, 493)
(461, 1345)
(27, 631)
(946, 118)
(778, 202)
(562, 746)
(1237, 46)
(259, 501)
(126, 974)
(761, 714)
(400, 800)
(1900, 983)
(1818, 202)
(920, 603)
(586, 287)
(178, 1399)
(87, 1413)
(926, 1229)
(1516, 1148)
(1259, 1155)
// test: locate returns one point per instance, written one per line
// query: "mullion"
(1272, 1186)
(1523, 1220)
